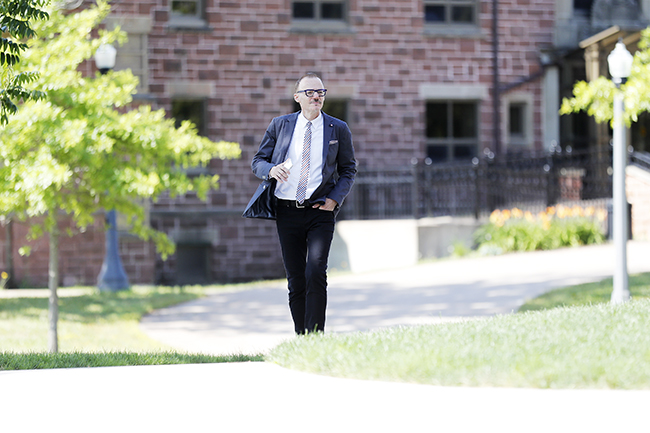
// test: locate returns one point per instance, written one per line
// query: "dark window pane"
(192, 264)
(464, 120)
(189, 110)
(582, 5)
(332, 11)
(436, 120)
(516, 115)
(437, 153)
(464, 152)
(303, 10)
(434, 14)
(462, 14)
(337, 108)
(185, 7)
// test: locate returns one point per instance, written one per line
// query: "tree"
(15, 16)
(597, 96)
(80, 150)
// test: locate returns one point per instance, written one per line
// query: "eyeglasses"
(310, 92)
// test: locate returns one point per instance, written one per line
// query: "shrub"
(559, 226)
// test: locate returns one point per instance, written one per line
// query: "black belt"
(293, 203)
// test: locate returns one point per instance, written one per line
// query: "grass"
(98, 321)
(33, 361)
(598, 346)
(587, 294)
(95, 329)
(575, 340)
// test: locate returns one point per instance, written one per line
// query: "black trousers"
(305, 238)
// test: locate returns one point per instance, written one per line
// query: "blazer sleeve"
(263, 160)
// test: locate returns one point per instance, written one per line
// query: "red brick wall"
(251, 57)
(80, 256)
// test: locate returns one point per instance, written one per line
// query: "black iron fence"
(529, 182)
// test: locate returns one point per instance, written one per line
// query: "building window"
(192, 264)
(452, 130)
(334, 107)
(582, 7)
(519, 121)
(319, 15)
(318, 10)
(193, 110)
(450, 12)
(187, 13)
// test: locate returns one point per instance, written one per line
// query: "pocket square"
(334, 141)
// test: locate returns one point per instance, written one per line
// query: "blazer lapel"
(328, 130)
(284, 140)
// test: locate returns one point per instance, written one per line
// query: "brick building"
(414, 79)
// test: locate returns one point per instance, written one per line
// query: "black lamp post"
(620, 67)
(112, 277)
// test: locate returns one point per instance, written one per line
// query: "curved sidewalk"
(257, 319)
(261, 397)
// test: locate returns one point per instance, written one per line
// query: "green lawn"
(95, 329)
(97, 321)
(33, 361)
(586, 294)
(584, 346)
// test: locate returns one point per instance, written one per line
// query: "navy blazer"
(339, 163)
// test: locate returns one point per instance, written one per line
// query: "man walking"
(307, 162)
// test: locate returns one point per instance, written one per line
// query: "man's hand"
(329, 205)
(280, 173)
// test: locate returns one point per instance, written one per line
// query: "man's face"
(310, 106)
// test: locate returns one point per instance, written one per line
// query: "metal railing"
(641, 160)
(527, 181)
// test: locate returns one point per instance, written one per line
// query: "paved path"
(261, 397)
(255, 320)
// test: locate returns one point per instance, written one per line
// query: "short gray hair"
(307, 75)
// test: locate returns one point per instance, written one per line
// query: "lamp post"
(112, 276)
(620, 66)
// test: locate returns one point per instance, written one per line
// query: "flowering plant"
(558, 226)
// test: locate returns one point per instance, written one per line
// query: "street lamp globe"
(620, 63)
(105, 58)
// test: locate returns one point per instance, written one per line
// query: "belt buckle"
(300, 206)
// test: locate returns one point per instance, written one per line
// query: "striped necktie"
(301, 192)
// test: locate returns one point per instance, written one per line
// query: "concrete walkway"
(256, 320)
(252, 397)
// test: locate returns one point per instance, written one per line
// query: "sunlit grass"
(598, 346)
(33, 361)
(97, 321)
(95, 329)
(589, 293)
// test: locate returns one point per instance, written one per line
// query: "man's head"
(310, 94)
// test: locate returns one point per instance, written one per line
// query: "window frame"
(196, 20)
(525, 138)
(450, 142)
(319, 24)
(449, 27)
(202, 128)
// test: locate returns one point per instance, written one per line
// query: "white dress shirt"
(287, 190)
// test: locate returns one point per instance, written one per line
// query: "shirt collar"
(316, 123)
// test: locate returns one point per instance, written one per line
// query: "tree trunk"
(53, 338)
(9, 254)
